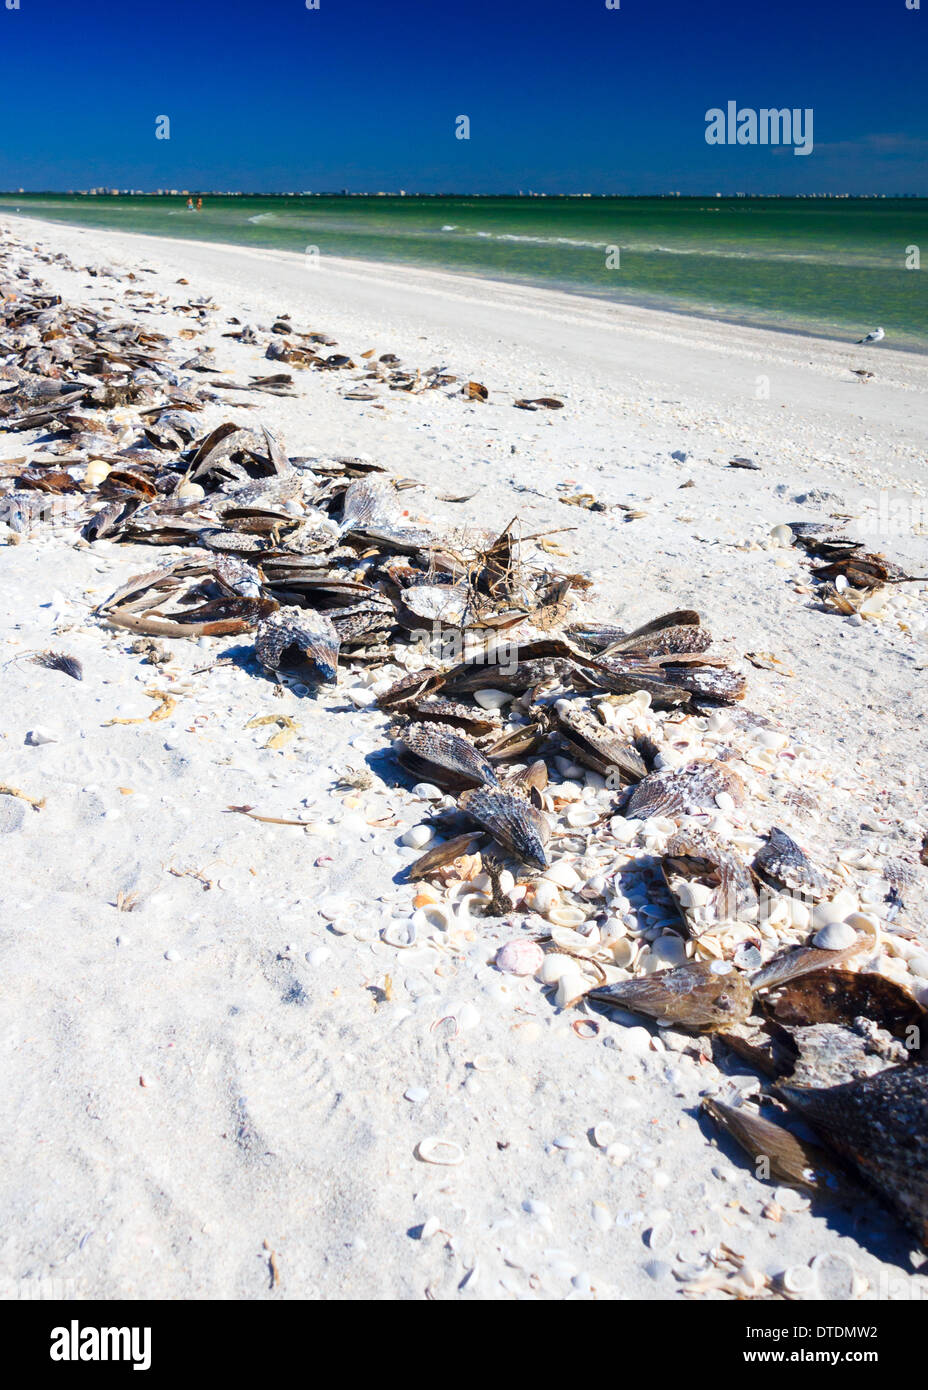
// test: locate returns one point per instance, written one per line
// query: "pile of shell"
(603, 784)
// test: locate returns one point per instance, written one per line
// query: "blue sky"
(363, 94)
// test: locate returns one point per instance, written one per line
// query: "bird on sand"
(876, 335)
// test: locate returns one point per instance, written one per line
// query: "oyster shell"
(782, 864)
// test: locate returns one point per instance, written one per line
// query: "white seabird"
(876, 335)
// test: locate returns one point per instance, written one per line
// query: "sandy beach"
(219, 1074)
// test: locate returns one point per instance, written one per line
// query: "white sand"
(272, 1115)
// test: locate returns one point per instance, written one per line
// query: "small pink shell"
(520, 958)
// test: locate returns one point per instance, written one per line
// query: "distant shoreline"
(640, 302)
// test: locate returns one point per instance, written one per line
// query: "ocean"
(832, 267)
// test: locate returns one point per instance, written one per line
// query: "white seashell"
(623, 830)
(669, 950)
(618, 1154)
(402, 934)
(433, 917)
(799, 915)
(569, 987)
(427, 792)
(603, 1134)
(554, 966)
(581, 815)
(440, 1151)
(660, 1236)
(690, 894)
(613, 929)
(835, 937)
(563, 915)
(492, 699)
(520, 958)
(568, 791)
(469, 905)
(782, 535)
(38, 735)
(563, 875)
(542, 895)
(838, 909)
(725, 802)
(418, 836)
(624, 952)
(361, 696)
(572, 941)
(191, 492)
(96, 471)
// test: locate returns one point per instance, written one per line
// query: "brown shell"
(789, 1160)
(596, 746)
(697, 996)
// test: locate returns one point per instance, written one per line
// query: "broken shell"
(433, 917)
(492, 699)
(563, 915)
(542, 895)
(439, 1151)
(563, 875)
(95, 472)
(401, 934)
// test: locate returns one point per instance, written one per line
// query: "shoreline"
(587, 296)
(217, 1053)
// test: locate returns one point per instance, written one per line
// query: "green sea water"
(832, 267)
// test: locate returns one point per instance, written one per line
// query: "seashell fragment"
(701, 853)
(781, 863)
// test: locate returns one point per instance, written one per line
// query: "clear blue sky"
(563, 95)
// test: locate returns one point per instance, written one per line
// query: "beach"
(219, 1074)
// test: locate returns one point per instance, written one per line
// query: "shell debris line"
(603, 804)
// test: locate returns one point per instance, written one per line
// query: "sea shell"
(443, 1152)
(520, 957)
(298, 633)
(432, 750)
(433, 917)
(684, 791)
(697, 996)
(402, 933)
(881, 1125)
(512, 821)
(781, 862)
